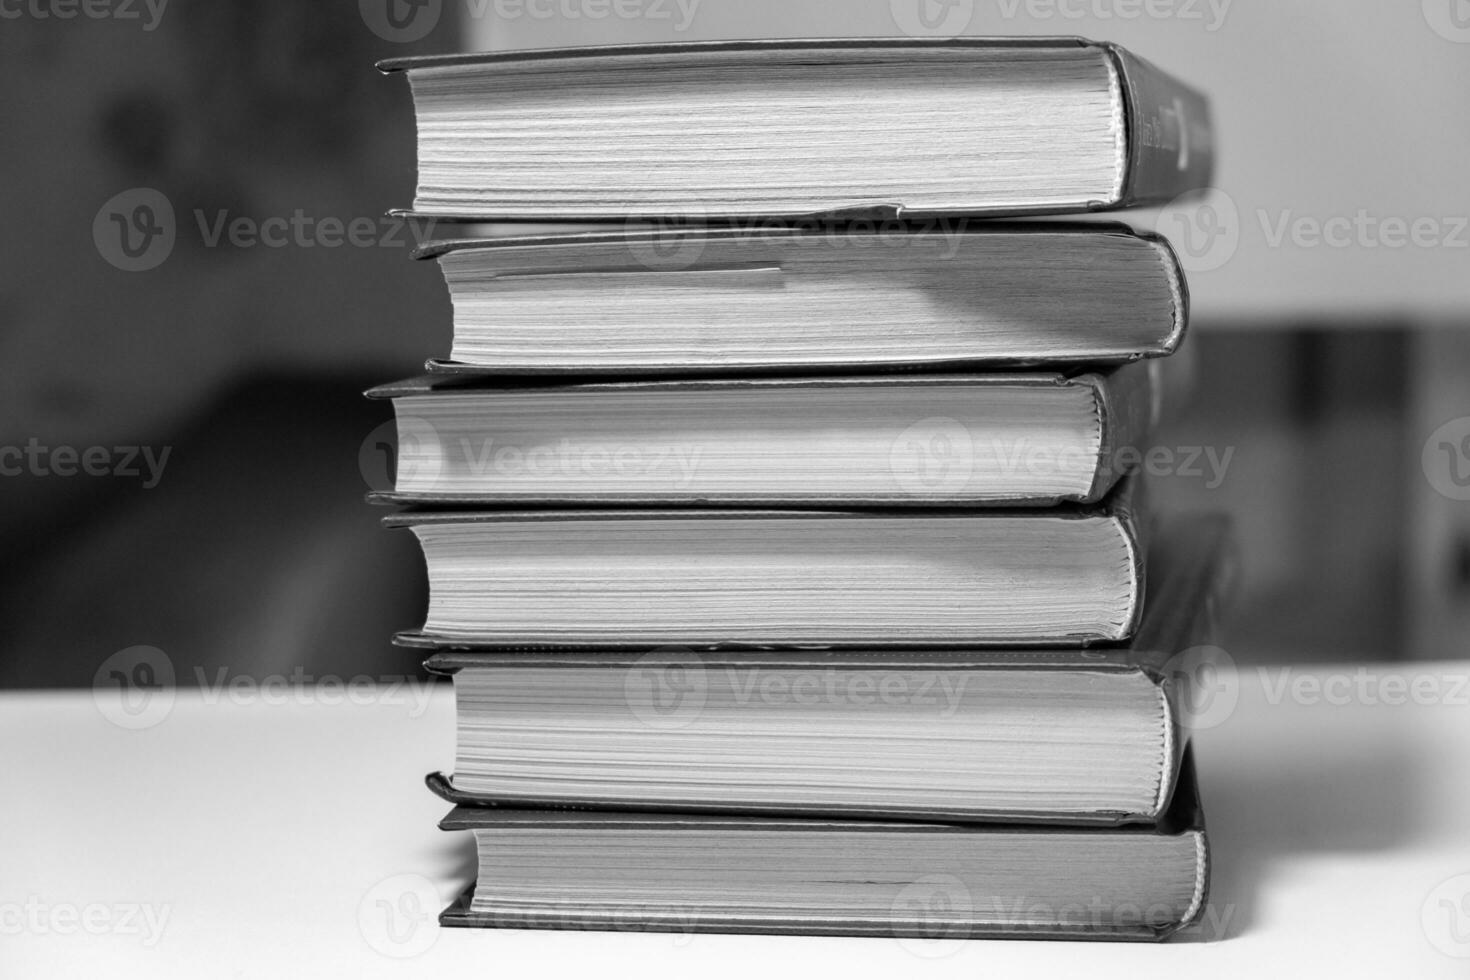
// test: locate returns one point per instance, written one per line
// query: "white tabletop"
(289, 834)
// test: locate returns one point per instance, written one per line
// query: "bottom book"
(664, 873)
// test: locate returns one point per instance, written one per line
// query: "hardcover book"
(954, 578)
(796, 128)
(670, 873)
(893, 440)
(946, 293)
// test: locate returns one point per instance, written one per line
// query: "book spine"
(1125, 413)
(1170, 139)
(1130, 509)
(1179, 286)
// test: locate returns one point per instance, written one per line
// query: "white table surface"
(272, 840)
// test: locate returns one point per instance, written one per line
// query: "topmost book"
(796, 129)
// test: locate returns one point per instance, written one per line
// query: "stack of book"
(783, 540)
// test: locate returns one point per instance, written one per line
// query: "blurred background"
(1330, 273)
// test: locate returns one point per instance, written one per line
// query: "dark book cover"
(1122, 918)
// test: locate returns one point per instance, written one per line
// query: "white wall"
(1324, 109)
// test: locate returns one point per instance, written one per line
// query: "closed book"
(798, 128)
(860, 441)
(598, 578)
(694, 874)
(947, 292)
